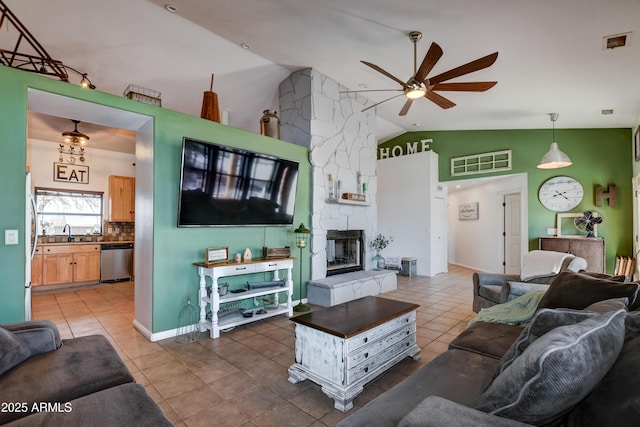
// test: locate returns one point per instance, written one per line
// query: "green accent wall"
(600, 157)
(175, 249)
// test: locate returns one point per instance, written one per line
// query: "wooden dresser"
(591, 249)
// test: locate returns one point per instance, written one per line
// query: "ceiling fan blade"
(386, 73)
(378, 103)
(405, 107)
(470, 67)
(370, 90)
(430, 59)
(464, 87)
(439, 100)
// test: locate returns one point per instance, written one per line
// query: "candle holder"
(302, 238)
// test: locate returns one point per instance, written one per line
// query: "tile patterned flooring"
(240, 379)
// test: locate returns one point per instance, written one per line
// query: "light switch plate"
(10, 237)
(552, 231)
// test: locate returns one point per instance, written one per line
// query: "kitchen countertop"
(85, 243)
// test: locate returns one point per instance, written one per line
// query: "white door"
(512, 234)
(439, 233)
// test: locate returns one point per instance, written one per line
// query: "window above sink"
(81, 210)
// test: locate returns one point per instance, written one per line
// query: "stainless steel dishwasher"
(116, 262)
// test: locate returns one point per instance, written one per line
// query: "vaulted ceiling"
(551, 54)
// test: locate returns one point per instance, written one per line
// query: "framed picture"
(636, 144)
(216, 256)
(468, 211)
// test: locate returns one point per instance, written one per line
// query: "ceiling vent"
(616, 40)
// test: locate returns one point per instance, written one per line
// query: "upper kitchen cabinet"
(122, 196)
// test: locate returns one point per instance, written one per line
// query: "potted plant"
(379, 243)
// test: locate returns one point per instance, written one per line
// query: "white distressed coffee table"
(346, 346)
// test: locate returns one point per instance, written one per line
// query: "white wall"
(478, 244)
(406, 188)
(41, 156)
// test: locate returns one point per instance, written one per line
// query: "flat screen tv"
(225, 186)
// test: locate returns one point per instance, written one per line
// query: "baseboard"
(171, 333)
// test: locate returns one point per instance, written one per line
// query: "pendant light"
(74, 143)
(554, 158)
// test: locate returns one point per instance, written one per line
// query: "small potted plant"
(379, 243)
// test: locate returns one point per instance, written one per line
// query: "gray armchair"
(538, 271)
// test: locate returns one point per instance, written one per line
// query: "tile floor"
(240, 379)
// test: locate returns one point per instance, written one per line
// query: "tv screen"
(221, 185)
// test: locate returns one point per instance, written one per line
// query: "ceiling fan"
(419, 85)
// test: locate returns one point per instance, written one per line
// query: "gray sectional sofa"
(46, 381)
(575, 366)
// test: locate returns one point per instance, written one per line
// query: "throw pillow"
(618, 278)
(556, 371)
(542, 322)
(577, 290)
(12, 351)
(614, 401)
(632, 325)
(613, 304)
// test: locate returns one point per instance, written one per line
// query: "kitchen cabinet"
(36, 268)
(591, 249)
(122, 196)
(69, 264)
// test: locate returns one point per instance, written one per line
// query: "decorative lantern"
(302, 239)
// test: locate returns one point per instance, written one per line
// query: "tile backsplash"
(111, 232)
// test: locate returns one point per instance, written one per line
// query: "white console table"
(215, 325)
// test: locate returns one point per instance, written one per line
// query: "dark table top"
(353, 317)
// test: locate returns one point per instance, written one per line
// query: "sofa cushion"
(435, 411)
(12, 351)
(488, 339)
(126, 405)
(80, 367)
(614, 401)
(457, 375)
(577, 290)
(543, 321)
(556, 371)
(41, 336)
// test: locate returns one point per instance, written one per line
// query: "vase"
(378, 261)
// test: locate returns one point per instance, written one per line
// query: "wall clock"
(561, 193)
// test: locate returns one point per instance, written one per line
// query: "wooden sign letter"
(611, 195)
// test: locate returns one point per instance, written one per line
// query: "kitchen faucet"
(67, 226)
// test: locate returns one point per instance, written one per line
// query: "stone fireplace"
(345, 251)
(342, 151)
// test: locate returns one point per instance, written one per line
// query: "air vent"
(616, 40)
(606, 112)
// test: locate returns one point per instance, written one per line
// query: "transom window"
(81, 210)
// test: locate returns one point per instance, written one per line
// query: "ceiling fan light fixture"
(415, 93)
(415, 90)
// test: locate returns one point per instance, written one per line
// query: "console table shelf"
(215, 325)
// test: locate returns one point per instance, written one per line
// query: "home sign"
(63, 172)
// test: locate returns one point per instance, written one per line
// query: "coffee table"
(346, 346)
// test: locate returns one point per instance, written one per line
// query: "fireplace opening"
(345, 251)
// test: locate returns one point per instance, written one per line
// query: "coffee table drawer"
(375, 362)
(380, 331)
(371, 350)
